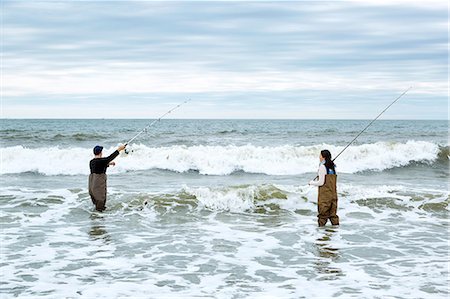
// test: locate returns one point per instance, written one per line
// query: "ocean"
(222, 209)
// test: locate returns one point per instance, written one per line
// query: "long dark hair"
(329, 164)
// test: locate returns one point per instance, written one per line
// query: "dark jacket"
(97, 180)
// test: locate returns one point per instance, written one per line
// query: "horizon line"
(153, 118)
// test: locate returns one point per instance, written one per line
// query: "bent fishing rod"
(359, 134)
(155, 121)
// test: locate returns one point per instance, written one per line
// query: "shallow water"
(227, 223)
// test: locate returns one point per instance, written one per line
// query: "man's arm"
(115, 153)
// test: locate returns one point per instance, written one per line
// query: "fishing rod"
(155, 121)
(398, 98)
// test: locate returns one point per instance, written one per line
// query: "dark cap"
(98, 149)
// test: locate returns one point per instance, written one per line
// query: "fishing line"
(307, 191)
(155, 121)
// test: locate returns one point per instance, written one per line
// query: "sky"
(233, 59)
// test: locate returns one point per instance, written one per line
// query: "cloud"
(136, 78)
(266, 49)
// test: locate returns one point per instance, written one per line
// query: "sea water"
(222, 209)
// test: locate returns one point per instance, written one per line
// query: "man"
(97, 178)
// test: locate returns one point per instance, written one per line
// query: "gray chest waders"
(97, 190)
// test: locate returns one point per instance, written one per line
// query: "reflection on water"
(98, 231)
(327, 255)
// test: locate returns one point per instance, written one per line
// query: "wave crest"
(224, 160)
(268, 198)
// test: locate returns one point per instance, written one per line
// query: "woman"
(326, 181)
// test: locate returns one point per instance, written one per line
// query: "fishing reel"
(128, 151)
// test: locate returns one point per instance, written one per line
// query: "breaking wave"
(225, 160)
(264, 198)
(275, 198)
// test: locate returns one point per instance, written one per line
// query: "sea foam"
(221, 160)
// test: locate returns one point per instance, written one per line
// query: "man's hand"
(121, 147)
(112, 164)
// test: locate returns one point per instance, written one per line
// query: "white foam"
(241, 198)
(220, 160)
(247, 254)
(236, 200)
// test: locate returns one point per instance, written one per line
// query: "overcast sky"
(234, 59)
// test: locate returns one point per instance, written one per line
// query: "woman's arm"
(321, 173)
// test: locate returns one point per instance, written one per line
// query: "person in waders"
(326, 181)
(97, 178)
